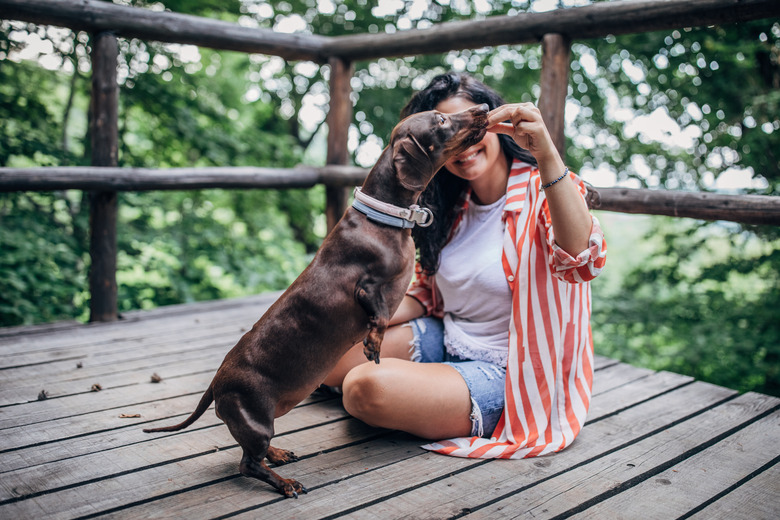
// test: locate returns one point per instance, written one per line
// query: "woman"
(493, 337)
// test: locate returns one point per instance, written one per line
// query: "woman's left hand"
(527, 128)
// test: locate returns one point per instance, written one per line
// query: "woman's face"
(484, 157)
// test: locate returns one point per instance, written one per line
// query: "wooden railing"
(746, 209)
(555, 30)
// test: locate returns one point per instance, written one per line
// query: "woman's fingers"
(502, 128)
(500, 115)
(515, 112)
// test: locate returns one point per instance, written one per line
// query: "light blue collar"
(382, 218)
(384, 213)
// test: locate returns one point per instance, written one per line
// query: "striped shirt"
(550, 366)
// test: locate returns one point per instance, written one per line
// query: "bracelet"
(565, 173)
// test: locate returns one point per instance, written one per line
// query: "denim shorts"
(484, 380)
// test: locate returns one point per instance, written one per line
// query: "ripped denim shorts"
(484, 380)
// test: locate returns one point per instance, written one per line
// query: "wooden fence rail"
(148, 179)
(590, 21)
(555, 30)
(163, 26)
(745, 209)
(577, 23)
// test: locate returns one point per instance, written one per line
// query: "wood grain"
(73, 456)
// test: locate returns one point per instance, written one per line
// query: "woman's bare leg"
(430, 400)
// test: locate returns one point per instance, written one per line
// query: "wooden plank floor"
(657, 445)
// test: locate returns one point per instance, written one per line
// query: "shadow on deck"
(656, 445)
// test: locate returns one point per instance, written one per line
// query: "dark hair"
(445, 190)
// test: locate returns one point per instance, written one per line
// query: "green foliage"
(203, 245)
(43, 236)
(689, 76)
(29, 128)
(171, 117)
(42, 257)
(704, 304)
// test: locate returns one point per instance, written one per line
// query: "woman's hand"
(527, 128)
(571, 221)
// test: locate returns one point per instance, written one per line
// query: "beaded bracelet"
(565, 173)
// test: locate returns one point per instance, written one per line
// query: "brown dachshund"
(354, 284)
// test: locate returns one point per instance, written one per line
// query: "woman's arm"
(569, 214)
(409, 309)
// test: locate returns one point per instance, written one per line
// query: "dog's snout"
(479, 110)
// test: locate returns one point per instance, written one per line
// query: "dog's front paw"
(371, 350)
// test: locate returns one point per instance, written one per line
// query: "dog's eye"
(441, 119)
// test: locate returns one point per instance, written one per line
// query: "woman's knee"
(366, 393)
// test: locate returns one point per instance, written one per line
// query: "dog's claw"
(292, 488)
(371, 355)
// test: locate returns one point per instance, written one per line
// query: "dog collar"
(384, 213)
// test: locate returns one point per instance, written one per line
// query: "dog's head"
(423, 142)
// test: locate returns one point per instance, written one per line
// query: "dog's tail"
(205, 402)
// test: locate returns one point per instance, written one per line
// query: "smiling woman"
(470, 359)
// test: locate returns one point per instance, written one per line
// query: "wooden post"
(339, 118)
(104, 133)
(556, 56)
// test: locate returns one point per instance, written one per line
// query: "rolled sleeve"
(585, 266)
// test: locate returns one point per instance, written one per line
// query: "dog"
(350, 290)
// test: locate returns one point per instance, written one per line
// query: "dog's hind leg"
(253, 428)
(251, 466)
(279, 456)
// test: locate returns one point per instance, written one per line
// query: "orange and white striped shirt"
(550, 365)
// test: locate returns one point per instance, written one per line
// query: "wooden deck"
(657, 445)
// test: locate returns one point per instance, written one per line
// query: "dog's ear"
(412, 164)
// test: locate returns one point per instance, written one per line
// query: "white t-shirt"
(474, 289)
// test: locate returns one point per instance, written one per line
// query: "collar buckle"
(423, 217)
